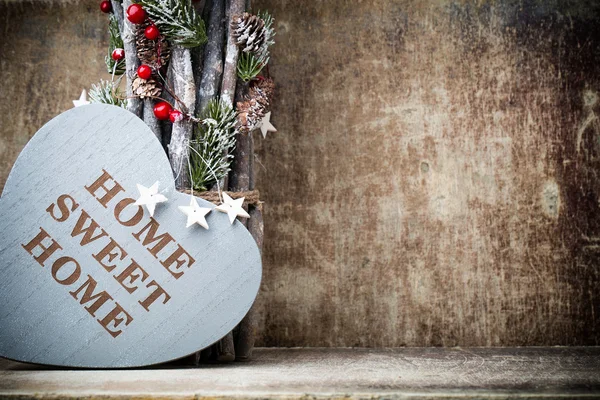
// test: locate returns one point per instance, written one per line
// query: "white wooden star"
(149, 197)
(195, 213)
(82, 99)
(266, 126)
(233, 208)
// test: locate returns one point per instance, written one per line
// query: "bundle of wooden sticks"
(198, 76)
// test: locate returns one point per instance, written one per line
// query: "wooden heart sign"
(88, 278)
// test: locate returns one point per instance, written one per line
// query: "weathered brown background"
(434, 180)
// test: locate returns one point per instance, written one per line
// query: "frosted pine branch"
(106, 92)
(177, 20)
(213, 56)
(212, 145)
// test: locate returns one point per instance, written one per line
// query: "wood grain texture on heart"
(87, 278)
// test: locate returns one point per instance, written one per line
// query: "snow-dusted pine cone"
(249, 32)
(155, 53)
(145, 87)
(257, 104)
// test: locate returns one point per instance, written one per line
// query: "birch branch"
(185, 90)
(134, 104)
(151, 120)
(213, 56)
(231, 53)
(118, 12)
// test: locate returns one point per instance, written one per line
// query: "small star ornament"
(82, 99)
(195, 213)
(266, 126)
(233, 208)
(149, 197)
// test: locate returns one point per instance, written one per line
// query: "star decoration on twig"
(82, 99)
(149, 197)
(266, 126)
(233, 208)
(195, 213)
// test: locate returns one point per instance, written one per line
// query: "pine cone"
(249, 32)
(257, 104)
(145, 88)
(155, 53)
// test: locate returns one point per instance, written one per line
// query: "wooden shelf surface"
(534, 372)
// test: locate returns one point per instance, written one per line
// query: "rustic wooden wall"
(434, 180)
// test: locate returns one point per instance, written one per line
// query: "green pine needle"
(102, 92)
(249, 66)
(269, 34)
(177, 20)
(212, 145)
(115, 42)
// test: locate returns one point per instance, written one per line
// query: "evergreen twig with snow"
(177, 20)
(115, 42)
(213, 142)
(106, 92)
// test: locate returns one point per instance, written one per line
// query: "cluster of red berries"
(137, 15)
(164, 111)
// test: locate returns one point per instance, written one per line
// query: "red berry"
(144, 71)
(106, 6)
(118, 54)
(136, 14)
(162, 110)
(152, 32)
(175, 116)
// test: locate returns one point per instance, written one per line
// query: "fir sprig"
(249, 66)
(106, 93)
(115, 42)
(263, 52)
(213, 142)
(177, 20)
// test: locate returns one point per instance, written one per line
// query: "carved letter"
(65, 211)
(71, 279)
(88, 233)
(151, 237)
(46, 251)
(100, 298)
(115, 318)
(133, 220)
(108, 251)
(100, 183)
(129, 273)
(175, 259)
(159, 291)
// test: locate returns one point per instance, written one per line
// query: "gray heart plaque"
(89, 279)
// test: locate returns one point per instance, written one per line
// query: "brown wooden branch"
(134, 104)
(246, 330)
(239, 177)
(213, 56)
